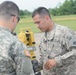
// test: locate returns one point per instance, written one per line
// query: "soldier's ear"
(47, 17)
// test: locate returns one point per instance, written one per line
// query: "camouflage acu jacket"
(59, 44)
(12, 58)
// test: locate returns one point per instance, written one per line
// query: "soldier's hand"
(26, 52)
(50, 64)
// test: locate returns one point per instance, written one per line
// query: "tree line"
(67, 8)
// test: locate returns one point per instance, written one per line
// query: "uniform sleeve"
(70, 44)
(23, 63)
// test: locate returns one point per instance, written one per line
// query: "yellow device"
(27, 37)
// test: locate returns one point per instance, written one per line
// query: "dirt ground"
(37, 37)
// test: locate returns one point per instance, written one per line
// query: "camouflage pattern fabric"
(12, 58)
(59, 44)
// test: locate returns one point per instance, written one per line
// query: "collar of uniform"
(50, 35)
(4, 28)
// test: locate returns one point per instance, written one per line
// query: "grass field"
(68, 20)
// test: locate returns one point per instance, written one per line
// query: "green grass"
(31, 25)
(25, 23)
(66, 20)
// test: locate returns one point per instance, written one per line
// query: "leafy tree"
(22, 12)
(68, 7)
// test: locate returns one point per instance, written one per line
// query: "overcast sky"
(33, 4)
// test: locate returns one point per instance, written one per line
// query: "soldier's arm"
(22, 62)
(70, 43)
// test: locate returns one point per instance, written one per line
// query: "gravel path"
(37, 37)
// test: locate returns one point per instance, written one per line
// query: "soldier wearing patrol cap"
(57, 45)
(14, 57)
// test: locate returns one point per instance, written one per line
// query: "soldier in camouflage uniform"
(14, 58)
(57, 46)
